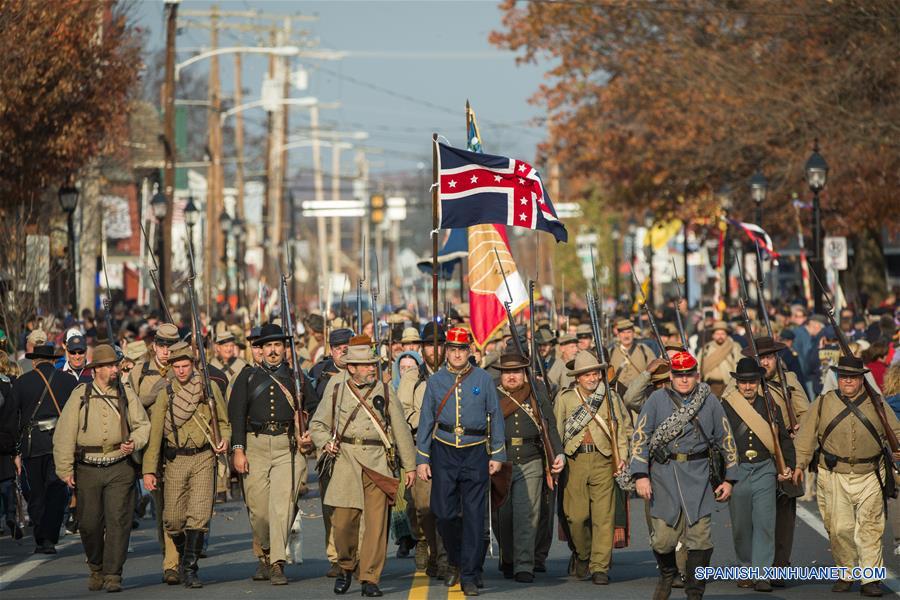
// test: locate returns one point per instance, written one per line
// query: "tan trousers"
(680, 547)
(425, 525)
(852, 510)
(170, 552)
(589, 506)
(189, 492)
(269, 495)
(369, 555)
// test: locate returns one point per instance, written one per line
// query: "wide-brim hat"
(410, 336)
(270, 333)
(37, 337)
(361, 354)
(661, 374)
(764, 345)
(720, 325)
(566, 338)
(748, 370)
(42, 352)
(544, 336)
(585, 362)
(316, 322)
(511, 361)
(103, 355)
(584, 331)
(166, 335)
(850, 366)
(224, 337)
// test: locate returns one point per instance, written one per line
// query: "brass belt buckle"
(751, 454)
(358, 441)
(516, 441)
(680, 457)
(459, 430)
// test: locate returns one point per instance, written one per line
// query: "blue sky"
(431, 56)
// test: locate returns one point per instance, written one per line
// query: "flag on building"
(487, 291)
(476, 188)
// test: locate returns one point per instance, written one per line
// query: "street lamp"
(759, 188)
(68, 200)
(159, 205)
(191, 217)
(816, 175)
(226, 223)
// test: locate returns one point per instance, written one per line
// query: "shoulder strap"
(596, 418)
(334, 409)
(169, 393)
(838, 418)
(854, 408)
(145, 370)
(85, 402)
(48, 388)
(751, 419)
(449, 393)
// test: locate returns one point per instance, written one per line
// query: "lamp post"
(225, 222)
(651, 289)
(816, 176)
(160, 207)
(240, 234)
(191, 217)
(68, 200)
(759, 188)
(616, 236)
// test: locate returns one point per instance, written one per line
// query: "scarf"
(579, 419)
(672, 427)
(183, 404)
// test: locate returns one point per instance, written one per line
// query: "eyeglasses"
(75, 351)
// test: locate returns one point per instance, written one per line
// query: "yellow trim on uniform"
(423, 453)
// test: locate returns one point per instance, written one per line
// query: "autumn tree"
(69, 69)
(659, 105)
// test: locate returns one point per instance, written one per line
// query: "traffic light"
(376, 208)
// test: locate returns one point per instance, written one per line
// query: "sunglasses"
(75, 351)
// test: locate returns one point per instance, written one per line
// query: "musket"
(297, 375)
(385, 412)
(110, 333)
(782, 381)
(780, 464)
(678, 322)
(199, 344)
(649, 313)
(877, 400)
(153, 272)
(359, 284)
(565, 316)
(595, 311)
(529, 375)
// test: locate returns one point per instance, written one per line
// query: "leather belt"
(101, 462)
(680, 457)
(360, 441)
(270, 427)
(584, 448)
(461, 430)
(190, 451)
(831, 460)
(521, 441)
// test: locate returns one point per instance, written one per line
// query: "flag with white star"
(476, 188)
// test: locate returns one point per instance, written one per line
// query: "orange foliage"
(652, 101)
(69, 69)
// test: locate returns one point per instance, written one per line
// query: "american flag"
(477, 188)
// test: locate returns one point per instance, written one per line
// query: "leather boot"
(694, 587)
(171, 576)
(193, 545)
(668, 569)
(262, 569)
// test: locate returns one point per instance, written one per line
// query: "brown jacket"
(345, 490)
(103, 427)
(143, 379)
(195, 433)
(850, 439)
(628, 368)
(798, 396)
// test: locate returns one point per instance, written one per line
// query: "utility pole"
(169, 144)
(214, 239)
(321, 231)
(239, 137)
(336, 195)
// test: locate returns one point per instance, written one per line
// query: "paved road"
(227, 570)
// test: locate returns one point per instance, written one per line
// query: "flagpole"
(434, 243)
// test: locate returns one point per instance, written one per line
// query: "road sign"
(836, 253)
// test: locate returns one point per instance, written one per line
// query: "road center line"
(815, 522)
(419, 588)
